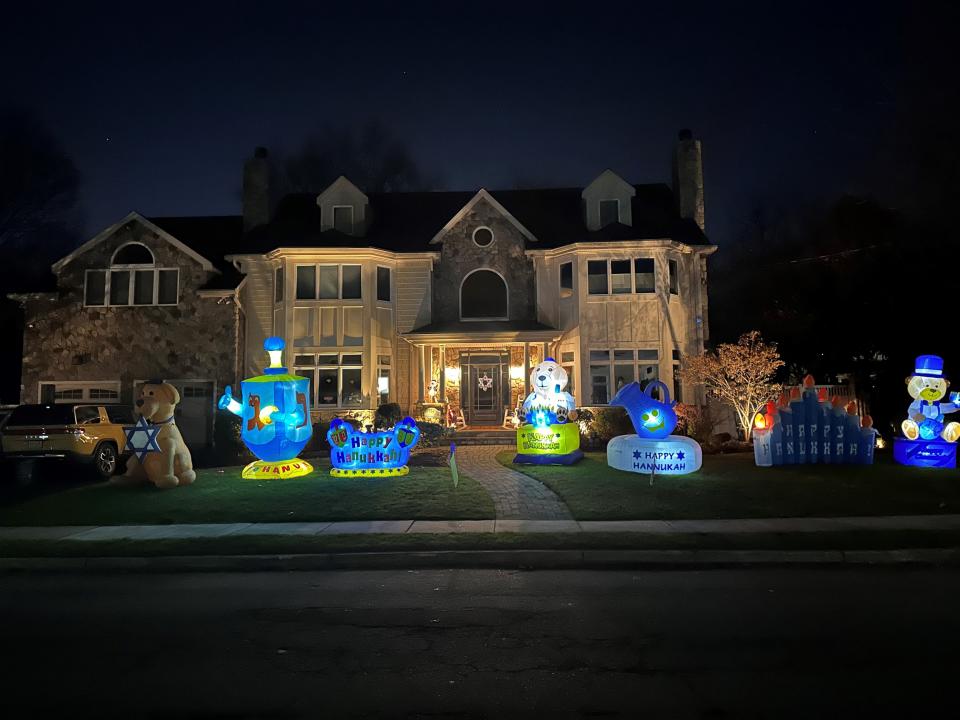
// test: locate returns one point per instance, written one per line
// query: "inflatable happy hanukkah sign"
(653, 449)
(276, 418)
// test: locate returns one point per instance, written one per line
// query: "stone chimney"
(256, 190)
(688, 177)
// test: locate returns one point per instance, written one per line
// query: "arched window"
(483, 296)
(133, 254)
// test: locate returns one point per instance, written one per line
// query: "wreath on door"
(485, 382)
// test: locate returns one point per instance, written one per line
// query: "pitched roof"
(212, 236)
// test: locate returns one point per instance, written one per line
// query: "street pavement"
(800, 642)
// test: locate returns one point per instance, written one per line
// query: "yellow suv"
(89, 434)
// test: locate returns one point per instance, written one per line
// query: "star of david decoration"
(485, 382)
(142, 438)
(680, 455)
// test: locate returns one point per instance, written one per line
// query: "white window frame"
(633, 277)
(671, 276)
(316, 282)
(493, 237)
(611, 362)
(316, 366)
(133, 270)
(377, 283)
(86, 386)
(390, 377)
(506, 287)
(566, 292)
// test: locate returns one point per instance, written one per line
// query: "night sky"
(159, 105)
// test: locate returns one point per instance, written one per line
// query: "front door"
(485, 390)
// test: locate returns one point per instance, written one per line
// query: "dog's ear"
(173, 393)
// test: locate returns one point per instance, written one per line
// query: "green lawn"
(731, 486)
(427, 493)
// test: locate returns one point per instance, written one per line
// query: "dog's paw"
(167, 481)
(187, 477)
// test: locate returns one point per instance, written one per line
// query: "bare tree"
(371, 157)
(740, 375)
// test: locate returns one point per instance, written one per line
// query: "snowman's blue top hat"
(929, 366)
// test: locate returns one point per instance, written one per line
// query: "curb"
(506, 559)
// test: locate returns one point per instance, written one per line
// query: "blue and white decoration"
(653, 450)
(928, 440)
(354, 453)
(142, 438)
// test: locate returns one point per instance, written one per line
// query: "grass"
(427, 493)
(731, 486)
(282, 545)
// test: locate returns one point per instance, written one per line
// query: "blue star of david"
(636, 454)
(142, 438)
(680, 455)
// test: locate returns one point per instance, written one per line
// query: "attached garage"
(194, 413)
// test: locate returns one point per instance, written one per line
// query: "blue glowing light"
(353, 452)
(651, 418)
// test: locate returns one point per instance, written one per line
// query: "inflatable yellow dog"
(173, 465)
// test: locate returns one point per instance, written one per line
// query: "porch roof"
(483, 331)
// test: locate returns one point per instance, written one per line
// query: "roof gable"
(133, 217)
(482, 194)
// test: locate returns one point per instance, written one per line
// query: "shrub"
(387, 415)
(695, 422)
(432, 434)
(603, 425)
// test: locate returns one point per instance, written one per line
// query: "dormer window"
(609, 212)
(133, 278)
(343, 219)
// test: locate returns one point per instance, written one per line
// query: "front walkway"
(515, 496)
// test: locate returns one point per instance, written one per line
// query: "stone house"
(426, 299)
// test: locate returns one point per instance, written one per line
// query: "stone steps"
(484, 437)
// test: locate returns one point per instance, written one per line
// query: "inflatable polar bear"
(548, 380)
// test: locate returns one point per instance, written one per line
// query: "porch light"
(453, 374)
(383, 385)
(516, 372)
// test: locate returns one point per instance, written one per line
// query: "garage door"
(106, 391)
(194, 413)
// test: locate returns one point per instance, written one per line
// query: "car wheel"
(105, 460)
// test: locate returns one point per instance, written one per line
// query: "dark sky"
(160, 103)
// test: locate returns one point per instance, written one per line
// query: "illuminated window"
(335, 379)
(483, 296)
(676, 376)
(609, 212)
(383, 379)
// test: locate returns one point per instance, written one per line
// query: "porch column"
(544, 353)
(429, 372)
(526, 370)
(420, 376)
(443, 373)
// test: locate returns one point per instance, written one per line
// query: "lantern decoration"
(547, 433)
(807, 428)
(928, 440)
(354, 453)
(653, 449)
(275, 412)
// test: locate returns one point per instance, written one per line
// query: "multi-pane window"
(335, 379)
(644, 274)
(610, 370)
(609, 212)
(621, 277)
(674, 277)
(383, 284)
(566, 279)
(153, 286)
(328, 282)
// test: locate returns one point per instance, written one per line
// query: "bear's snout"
(140, 402)
(541, 378)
